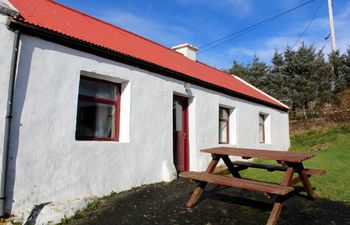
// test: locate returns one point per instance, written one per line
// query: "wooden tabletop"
(261, 154)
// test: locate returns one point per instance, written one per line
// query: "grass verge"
(332, 149)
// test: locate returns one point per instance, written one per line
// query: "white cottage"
(87, 108)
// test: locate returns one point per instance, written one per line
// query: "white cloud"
(216, 59)
(240, 52)
(315, 35)
(239, 8)
(244, 6)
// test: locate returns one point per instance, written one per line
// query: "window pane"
(95, 120)
(261, 118)
(223, 113)
(222, 131)
(261, 133)
(177, 114)
(97, 89)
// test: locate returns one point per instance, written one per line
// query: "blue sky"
(202, 21)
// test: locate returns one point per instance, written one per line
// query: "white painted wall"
(49, 165)
(6, 43)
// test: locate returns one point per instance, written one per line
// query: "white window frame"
(233, 125)
(267, 128)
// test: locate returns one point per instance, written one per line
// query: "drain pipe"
(6, 146)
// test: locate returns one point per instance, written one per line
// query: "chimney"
(187, 50)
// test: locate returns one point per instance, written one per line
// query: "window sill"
(97, 139)
(265, 144)
(102, 142)
(227, 145)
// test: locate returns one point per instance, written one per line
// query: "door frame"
(186, 126)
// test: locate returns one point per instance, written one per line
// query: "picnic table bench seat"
(238, 182)
(241, 165)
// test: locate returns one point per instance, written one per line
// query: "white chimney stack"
(187, 50)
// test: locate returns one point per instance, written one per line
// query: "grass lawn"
(332, 149)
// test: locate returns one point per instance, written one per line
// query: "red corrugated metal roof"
(59, 18)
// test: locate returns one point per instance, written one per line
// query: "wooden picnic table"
(289, 162)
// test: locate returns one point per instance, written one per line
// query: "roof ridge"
(245, 82)
(262, 92)
(110, 24)
(211, 67)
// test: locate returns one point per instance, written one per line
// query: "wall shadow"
(20, 92)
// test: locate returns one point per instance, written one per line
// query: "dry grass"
(328, 116)
(9, 221)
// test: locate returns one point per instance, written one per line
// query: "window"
(262, 127)
(98, 110)
(224, 125)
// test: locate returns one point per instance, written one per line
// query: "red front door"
(180, 133)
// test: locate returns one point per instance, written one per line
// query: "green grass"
(332, 149)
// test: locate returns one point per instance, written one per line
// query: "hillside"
(329, 115)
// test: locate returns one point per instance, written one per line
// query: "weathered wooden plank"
(315, 171)
(268, 167)
(276, 211)
(309, 173)
(296, 180)
(277, 206)
(304, 178)
(238, 182)
(263, 154)
(230, 166)
(200, 187)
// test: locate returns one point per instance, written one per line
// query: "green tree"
(259, 74)
(344, 68)
(301, 78)
(239, 69)
(277, 79)
(339, 70)
(323, 82)
(347, 66)
(307, 77)
(255, 73)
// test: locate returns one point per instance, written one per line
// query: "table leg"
(297, 180)
(277, 206)
(230, 166)
(305, 181)
(200, 187)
